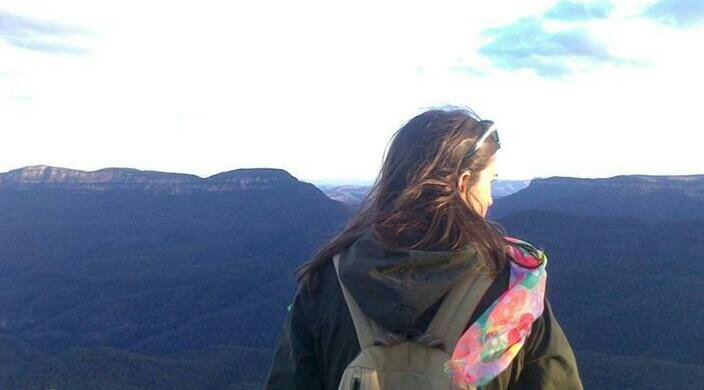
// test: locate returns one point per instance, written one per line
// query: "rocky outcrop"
(134, 179)
(692, 185)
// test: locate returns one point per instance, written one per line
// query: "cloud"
(575, 11)
(526, 44)
(48, 37)
(47, 47)
(679, 13)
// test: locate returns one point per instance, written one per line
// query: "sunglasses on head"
(489, 131)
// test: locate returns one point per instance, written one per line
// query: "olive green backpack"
(387, 362)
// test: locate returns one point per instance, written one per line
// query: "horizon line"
(328, 180)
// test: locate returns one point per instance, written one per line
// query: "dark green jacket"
(400, 290)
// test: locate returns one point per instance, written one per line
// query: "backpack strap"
(367, 329)
(454, 312)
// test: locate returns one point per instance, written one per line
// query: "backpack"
(388, 362)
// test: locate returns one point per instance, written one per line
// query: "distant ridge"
(135, 179)
(353, 195)
(646, 181)
(128, 279)
(648, 197)
(687, 185)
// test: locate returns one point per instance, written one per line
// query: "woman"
(420, 231)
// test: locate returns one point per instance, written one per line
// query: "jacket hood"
(395, 286)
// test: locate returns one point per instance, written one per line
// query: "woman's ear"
(463, 181)
(462, 185)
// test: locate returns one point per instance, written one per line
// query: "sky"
(581, 89)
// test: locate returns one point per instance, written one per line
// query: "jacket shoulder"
(319, 295)
(549, 359)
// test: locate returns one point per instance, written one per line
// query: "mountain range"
(128, 279)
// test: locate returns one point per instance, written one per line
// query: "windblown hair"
(416, 194)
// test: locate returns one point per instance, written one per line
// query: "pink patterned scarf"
(493, 340)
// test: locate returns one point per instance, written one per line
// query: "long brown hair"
(416, 192)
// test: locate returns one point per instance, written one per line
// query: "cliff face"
(134, 179)
(691, 185)
(651, 198)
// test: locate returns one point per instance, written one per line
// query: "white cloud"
(318, 89)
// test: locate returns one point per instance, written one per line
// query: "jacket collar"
(395, 286)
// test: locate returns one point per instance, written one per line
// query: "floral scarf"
(493, 340)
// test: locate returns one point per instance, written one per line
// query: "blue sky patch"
(569, 10)
(526, 44)
(678, 13)
(27, 33)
